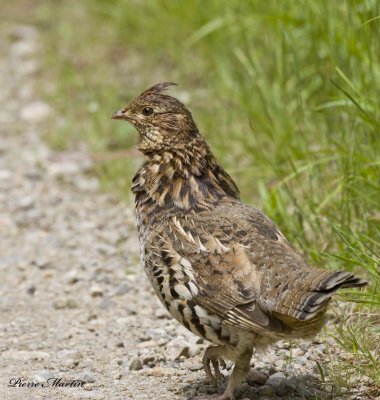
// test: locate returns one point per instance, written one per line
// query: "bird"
(219, 266)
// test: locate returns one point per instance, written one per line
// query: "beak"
(120, 114)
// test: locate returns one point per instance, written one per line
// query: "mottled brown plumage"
(220, 267)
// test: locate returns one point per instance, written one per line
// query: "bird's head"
(162, 121)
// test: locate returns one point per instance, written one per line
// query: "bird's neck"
(184, 178)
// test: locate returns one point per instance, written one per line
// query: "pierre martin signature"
(50, 382)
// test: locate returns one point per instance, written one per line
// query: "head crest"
(158, 88)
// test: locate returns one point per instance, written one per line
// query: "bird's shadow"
(295, 387)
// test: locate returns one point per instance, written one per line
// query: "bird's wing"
(226, 255)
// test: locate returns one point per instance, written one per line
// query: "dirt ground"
(75, 306)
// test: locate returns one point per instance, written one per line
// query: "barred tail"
(309, 293)
(315, 301)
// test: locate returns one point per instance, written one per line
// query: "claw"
(222, 363)
(217, 376)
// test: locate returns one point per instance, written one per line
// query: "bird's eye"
(147, 111)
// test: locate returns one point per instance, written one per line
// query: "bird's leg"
(213, 355)
(239, 373)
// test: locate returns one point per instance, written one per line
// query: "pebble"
(194, 350)
(161, 313)
(35, 112)
(42, 262)
(72, 277)
(155, 332)
(31, 290)
(280, 364)
(24, 32)
(146, 344)
(64, 303)
(5, 174)
(276, 378)
(26, 203)
(71, 354)
(256, 378)
(302, 360)
(43, 375)
(136, 364)
(107, 303)
(177, 348)
(192, 365)
(285, 388)
(87, 376)
(148, 359)
(96, 291)
(121, 290)
(23, 49)
(266, 390)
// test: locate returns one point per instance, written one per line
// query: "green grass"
(286, 93)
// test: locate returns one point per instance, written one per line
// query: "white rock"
(23, 49)
(43, 375)
(96, 291)
(36, 111)
(177, 347)
(25, 32)
(5, 174)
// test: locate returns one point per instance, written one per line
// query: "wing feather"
(228, 282)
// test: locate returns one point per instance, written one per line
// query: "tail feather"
(315, 301)
(310, 292)
(338, 279)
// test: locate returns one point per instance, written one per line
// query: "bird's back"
(242, 269)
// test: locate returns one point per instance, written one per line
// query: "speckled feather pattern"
(220, 267)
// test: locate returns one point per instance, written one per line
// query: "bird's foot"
(211, 357)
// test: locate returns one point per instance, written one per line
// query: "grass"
(286, 93)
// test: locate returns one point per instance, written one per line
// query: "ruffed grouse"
(220, 267)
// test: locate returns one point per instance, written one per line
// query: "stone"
(96, 291)
(64, 303)
(23, 49)
(35, 112)
(42, 262)
(191, 365)
(146, 344)
(276, 378)
(87, 376)
(285, 388)
(266, 391)
(64, 169)
(24, 32)
(43, 375)
(161, 313)
(256, 378)
(70, 354)
(148, 359)
(177, 348)
(72, 277)
(155, 332)
(136, 364)
(31, 290)
(25, 203)
(121, 290)
(107, 304)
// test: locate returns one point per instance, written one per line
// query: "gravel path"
(75, 303)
